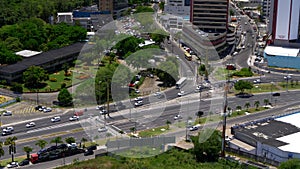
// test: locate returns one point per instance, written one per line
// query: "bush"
(244, 72)
(17, 87)
(52, 79)
(18, 99)
(63, 85)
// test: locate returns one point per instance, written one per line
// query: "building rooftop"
(281, 51)
(27, 53)
(282, 132)
(42, 58)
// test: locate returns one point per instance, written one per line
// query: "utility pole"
(224, 118)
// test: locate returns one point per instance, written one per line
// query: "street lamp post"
(272, 83)
(287, 81)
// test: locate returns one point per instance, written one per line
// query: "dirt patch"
(149, 85)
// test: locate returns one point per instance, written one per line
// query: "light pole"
(287, 81)
(272, 83)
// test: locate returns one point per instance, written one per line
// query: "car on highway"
(10, 128)
(55, 119)
(103, 112)
(102, 129)
(138, 103)
(177, 117)
(5, 133)
(138, 99)
(74, 118)
(257, 81)
(31, 124)
(12, 164)
(158, 95)
(276, 94)
(100, 107)
(7, 113)
(181, 93)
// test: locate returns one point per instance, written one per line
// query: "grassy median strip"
(49, 135)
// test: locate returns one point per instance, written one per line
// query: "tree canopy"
(34, 76)
(242, 85)
(65, 98)
(290, 164)
(209, 150)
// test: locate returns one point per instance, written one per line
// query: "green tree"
(64, 97)
(162, 6)
(70, 140)
(238, 107)
(256, 104)
(199, 114)
(65, 67)
(247, 105)
(290, 164)
(83, 140)
(56, 140)
(242, 85)
(266, 101)
(41, 143)
(11, 142)
(1, 149)
(27, 150)
(168, 124)
(17, 87)
(208, 150)
(34, 76)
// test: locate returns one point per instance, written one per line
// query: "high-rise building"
(266, 8)
(114, 7)
(284, 22)
(179, 8)
(210, 16)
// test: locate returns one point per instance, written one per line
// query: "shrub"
(17, 87)
(18, 99)
(85, 67)
(68, 73)
(52, 79)
(63, 85)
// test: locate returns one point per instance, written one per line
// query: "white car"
(193, 128)
(31, 124)
(180, 94)
(12, 165)
(74, 118)
(48, 109)
(137, 91)
(138, 103)
(100, 107)
(103, 112)
(102, 129)
(138, 99)
(7, 113)
(8, 129)
(177, 117)
(55, 119)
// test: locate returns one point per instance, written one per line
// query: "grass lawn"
(172, 159)
(6, 161)
(153, 132)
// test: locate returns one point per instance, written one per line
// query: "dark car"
(88, 152)
(38, 107)
(93, 147)
(276, 94)
(24, 162)
(62, 146)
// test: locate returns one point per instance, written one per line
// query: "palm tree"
(27, 151)
(168, 124)
(41, 143)
(83, 140)
(132, 129)
(266, 101)
(247, 105)
(1, 149)
(199, 114)
(56, 140)
(70, 140)
(238, 107)
(11, 142)
(256, 103)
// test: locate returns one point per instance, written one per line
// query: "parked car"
(88, 152)
(180, 94)
(74, 118)
(7, 113)
(48, 109)
(178, 116)
(31, 124)
(138, 99)
(92, 147)
(55, 119)
(276, 94)
(193, 128)
(103, 112)
(24, 162)
(12, 164)
(5, 133)
(102, 129)
(138, 103)
(38, 107)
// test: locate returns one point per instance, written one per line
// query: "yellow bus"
(188, 56)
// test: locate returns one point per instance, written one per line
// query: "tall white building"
(284, 22)
(266, 8)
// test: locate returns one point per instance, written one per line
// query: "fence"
(253, 156)
(7, 103)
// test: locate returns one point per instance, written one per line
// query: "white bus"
(180, 82)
